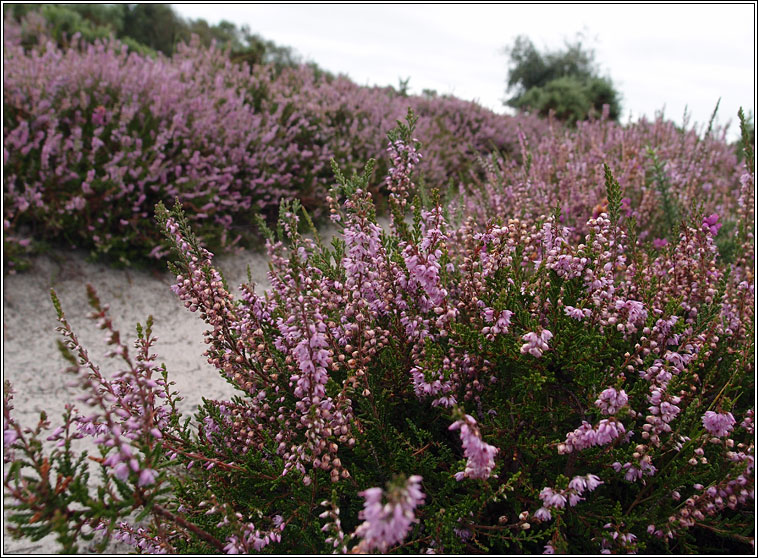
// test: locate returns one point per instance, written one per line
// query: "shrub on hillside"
(669, 175)
(94, 137)
(492, 387)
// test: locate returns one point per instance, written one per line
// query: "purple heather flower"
(9, 436)
(146, 477)
(503, 321)
(748, 423)
(121, 471)
(98, 115)
(587, 436)
(574, 499)
(577, 313)
(610, 401)
(552, 499)
(718, 424)
(543, 514)
(536, 343)
(659, 243)
(578, 484)
(480, 455)
(711, 224)
(607, 431)
(593, 481)
(388, 524)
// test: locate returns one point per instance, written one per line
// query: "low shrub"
(495, 386)
(669, 175)
(95, 136)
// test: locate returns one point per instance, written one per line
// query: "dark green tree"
(566, 82)
(154, 25)
(150, 28)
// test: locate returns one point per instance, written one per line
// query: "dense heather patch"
(94, 137)
(504, 385)
(669, 175)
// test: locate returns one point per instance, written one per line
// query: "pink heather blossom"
(388, 524)
(567, 266)
(578, 484)
(659, 243)
(438, 385)
(748, 423)
(552, 499)
(718, 424)
(480, 455)
(422, 261)
(632, 473)
(138, 538)
(121, 471)
(587, 436)
(668, 411)
(636, 309)
(536, 343)
(711, 224)
(557, 499)
(504, 320)
(9, 436)
(593, 481)
(252, 538)
(404, 159)
(98, 115)
(502, 323)
(574, 499)
(610, 401)
(488, 314)
(499, 326)
(543, 514)
(577, 313)
(607, 431)
(146, 477)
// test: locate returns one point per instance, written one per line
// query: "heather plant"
(94, 136)
(669, 176)
(482, 387)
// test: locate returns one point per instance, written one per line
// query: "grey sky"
(657, 55)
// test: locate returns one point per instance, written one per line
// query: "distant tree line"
(149, 29)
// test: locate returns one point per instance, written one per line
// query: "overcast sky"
(671, 56)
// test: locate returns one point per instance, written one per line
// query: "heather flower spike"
(718, 424)
(480, 456)
(387, 524)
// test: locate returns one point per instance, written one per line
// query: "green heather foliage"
(498, 385)
(565, 83)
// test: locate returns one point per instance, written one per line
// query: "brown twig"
(207, 537)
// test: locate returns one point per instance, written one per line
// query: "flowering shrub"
(493, 386)
(94, 137)
(668, 173)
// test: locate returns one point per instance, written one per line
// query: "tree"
(566, 82)
(154, 25)
(151, 28)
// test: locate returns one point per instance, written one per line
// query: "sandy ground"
(33, 365)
